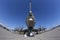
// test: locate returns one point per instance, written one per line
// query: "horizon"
(13, 13)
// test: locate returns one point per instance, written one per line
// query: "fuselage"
(30, 21)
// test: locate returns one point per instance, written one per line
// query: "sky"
(13, 13)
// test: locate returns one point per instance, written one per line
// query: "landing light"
(31, 19)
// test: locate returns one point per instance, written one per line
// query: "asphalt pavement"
(50, 35)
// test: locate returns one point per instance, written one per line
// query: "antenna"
(30, 6)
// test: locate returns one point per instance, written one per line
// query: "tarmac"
(50, 35)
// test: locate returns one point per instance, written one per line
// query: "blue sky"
(13, 13)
